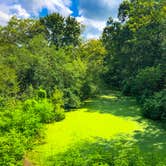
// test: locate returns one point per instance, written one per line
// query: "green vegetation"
(21, 126)
(104, 153)
(136, 51)
(155, 106)
(106, 130)
(47, 72)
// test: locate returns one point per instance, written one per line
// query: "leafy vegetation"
(155, 106)
(21, 126)
(33, 59)
(136, 49)
(107, 130)
(47, 69)
(105, 153)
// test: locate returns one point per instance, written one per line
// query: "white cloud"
(99, 24)
(35, 6)
(94, 14)
(99, 9)
(19, 11)
(28, 8)
(93, 28)
(92, 36)
(4, 18)
(7, 11)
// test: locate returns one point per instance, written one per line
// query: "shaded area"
(115, 104)
(106, 153)
(91, 134)
(152, 139)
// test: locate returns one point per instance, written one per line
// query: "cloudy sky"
(92, 13)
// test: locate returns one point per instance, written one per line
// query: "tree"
(8, 81)
(72, 31)
(134, 42)
(61, 31)
(20, 31)
(93, 55)
(54, 24)
(124, 10)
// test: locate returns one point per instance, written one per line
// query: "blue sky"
(74, 7)
(92, 13)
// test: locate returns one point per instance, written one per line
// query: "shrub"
(45, 110)
(27, 123)
(155, 106)
(126, 86)
(42, 108)
(59, 113)
(5, 121)
(29, 104)
(12, 148)
(57, 97)
(41, 94)
(57, 100)
(88, 90)
(71, 99)
(18, 131)
(147, 81)
(104, 153)
(20, 127)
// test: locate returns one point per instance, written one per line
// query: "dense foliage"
(42, 54)
(105, 153)
(154, 107)
(45, 68)
(136, 56)
(21, 125)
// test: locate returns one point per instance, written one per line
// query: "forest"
(110, 93)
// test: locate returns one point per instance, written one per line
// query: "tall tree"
(61, 31)
(72, 31)
(20, 31)
(134, 42)
(54, 24)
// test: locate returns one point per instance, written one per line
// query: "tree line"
(136, 54)
(46, 68)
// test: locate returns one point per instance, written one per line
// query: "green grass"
(107, 117)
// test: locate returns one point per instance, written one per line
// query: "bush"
(41, 94)
(21, 127)
(41, 108)
(57, 97)
(147, 81)
(12, 148)
(155, 106)
(88, 90)
(18, 132)
(71, 99)
(104, 153)
(57, 100)
(27, 123)
(59, 113)
(45, 110)
(126, 86)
